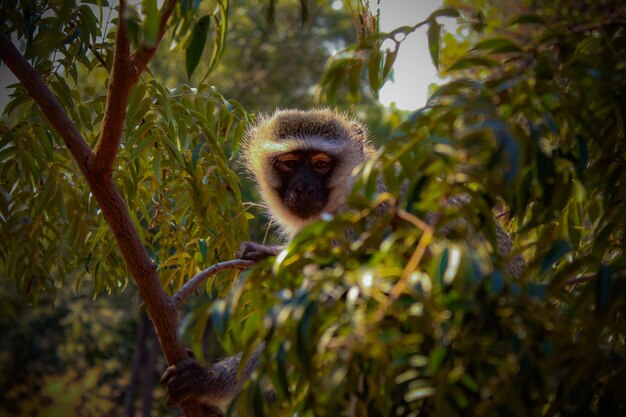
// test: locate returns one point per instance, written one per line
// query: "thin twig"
(99, 57)
(405, 215)
(504, 213)
(411, 266)
(200, 277)
(581, 279)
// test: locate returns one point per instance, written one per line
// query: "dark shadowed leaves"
(196, 46)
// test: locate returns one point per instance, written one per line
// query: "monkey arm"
(256, 252)
(214, 386)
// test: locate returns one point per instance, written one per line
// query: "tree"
(71, 30)
(411, 318)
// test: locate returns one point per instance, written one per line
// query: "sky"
(413, 69)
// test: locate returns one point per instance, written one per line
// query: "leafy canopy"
(406, 318)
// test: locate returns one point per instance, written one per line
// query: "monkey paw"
(256, 252)
(186, 380)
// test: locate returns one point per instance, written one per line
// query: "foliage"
(269, 65)
(173, 169)
(400, 321)
(405, 318)
(64, 359)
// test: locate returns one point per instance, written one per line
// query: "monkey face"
(304, 176)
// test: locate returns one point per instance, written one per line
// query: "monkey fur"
(302, 135)
(214, 387)
(302, 162)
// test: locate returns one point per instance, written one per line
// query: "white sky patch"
(413, 69)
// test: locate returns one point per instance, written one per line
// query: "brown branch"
(200, 277)
(144, 53)
(51, 107)
(123, 76)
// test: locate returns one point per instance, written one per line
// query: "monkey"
(302, 162)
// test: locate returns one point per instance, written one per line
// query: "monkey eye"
(288, 164)
(321, 165)
(321, 162)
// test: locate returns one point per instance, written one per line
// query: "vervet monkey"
(302, 162)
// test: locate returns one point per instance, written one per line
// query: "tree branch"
(51, 107)
(144, 53)
(200, 277)
(123, 76)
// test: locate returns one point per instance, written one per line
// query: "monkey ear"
(359, 135)
(357, 130)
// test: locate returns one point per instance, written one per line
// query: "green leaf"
(497, 45)
(150, 22)
(204, 249)
(219, 41)
(220, 316)
(303, 336)
(528, 18)
(445, 12)
(281, 363)
(434, 35)
(196, 46)
(374, 70)
(390, 58)
(436, 358)
(471, 62)
(354, 79)
(558, 250)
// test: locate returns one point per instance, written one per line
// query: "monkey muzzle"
(306, 201)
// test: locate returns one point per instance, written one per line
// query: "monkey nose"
(305, 190)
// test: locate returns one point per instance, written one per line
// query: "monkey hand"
(187, 380)
(256, 252)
